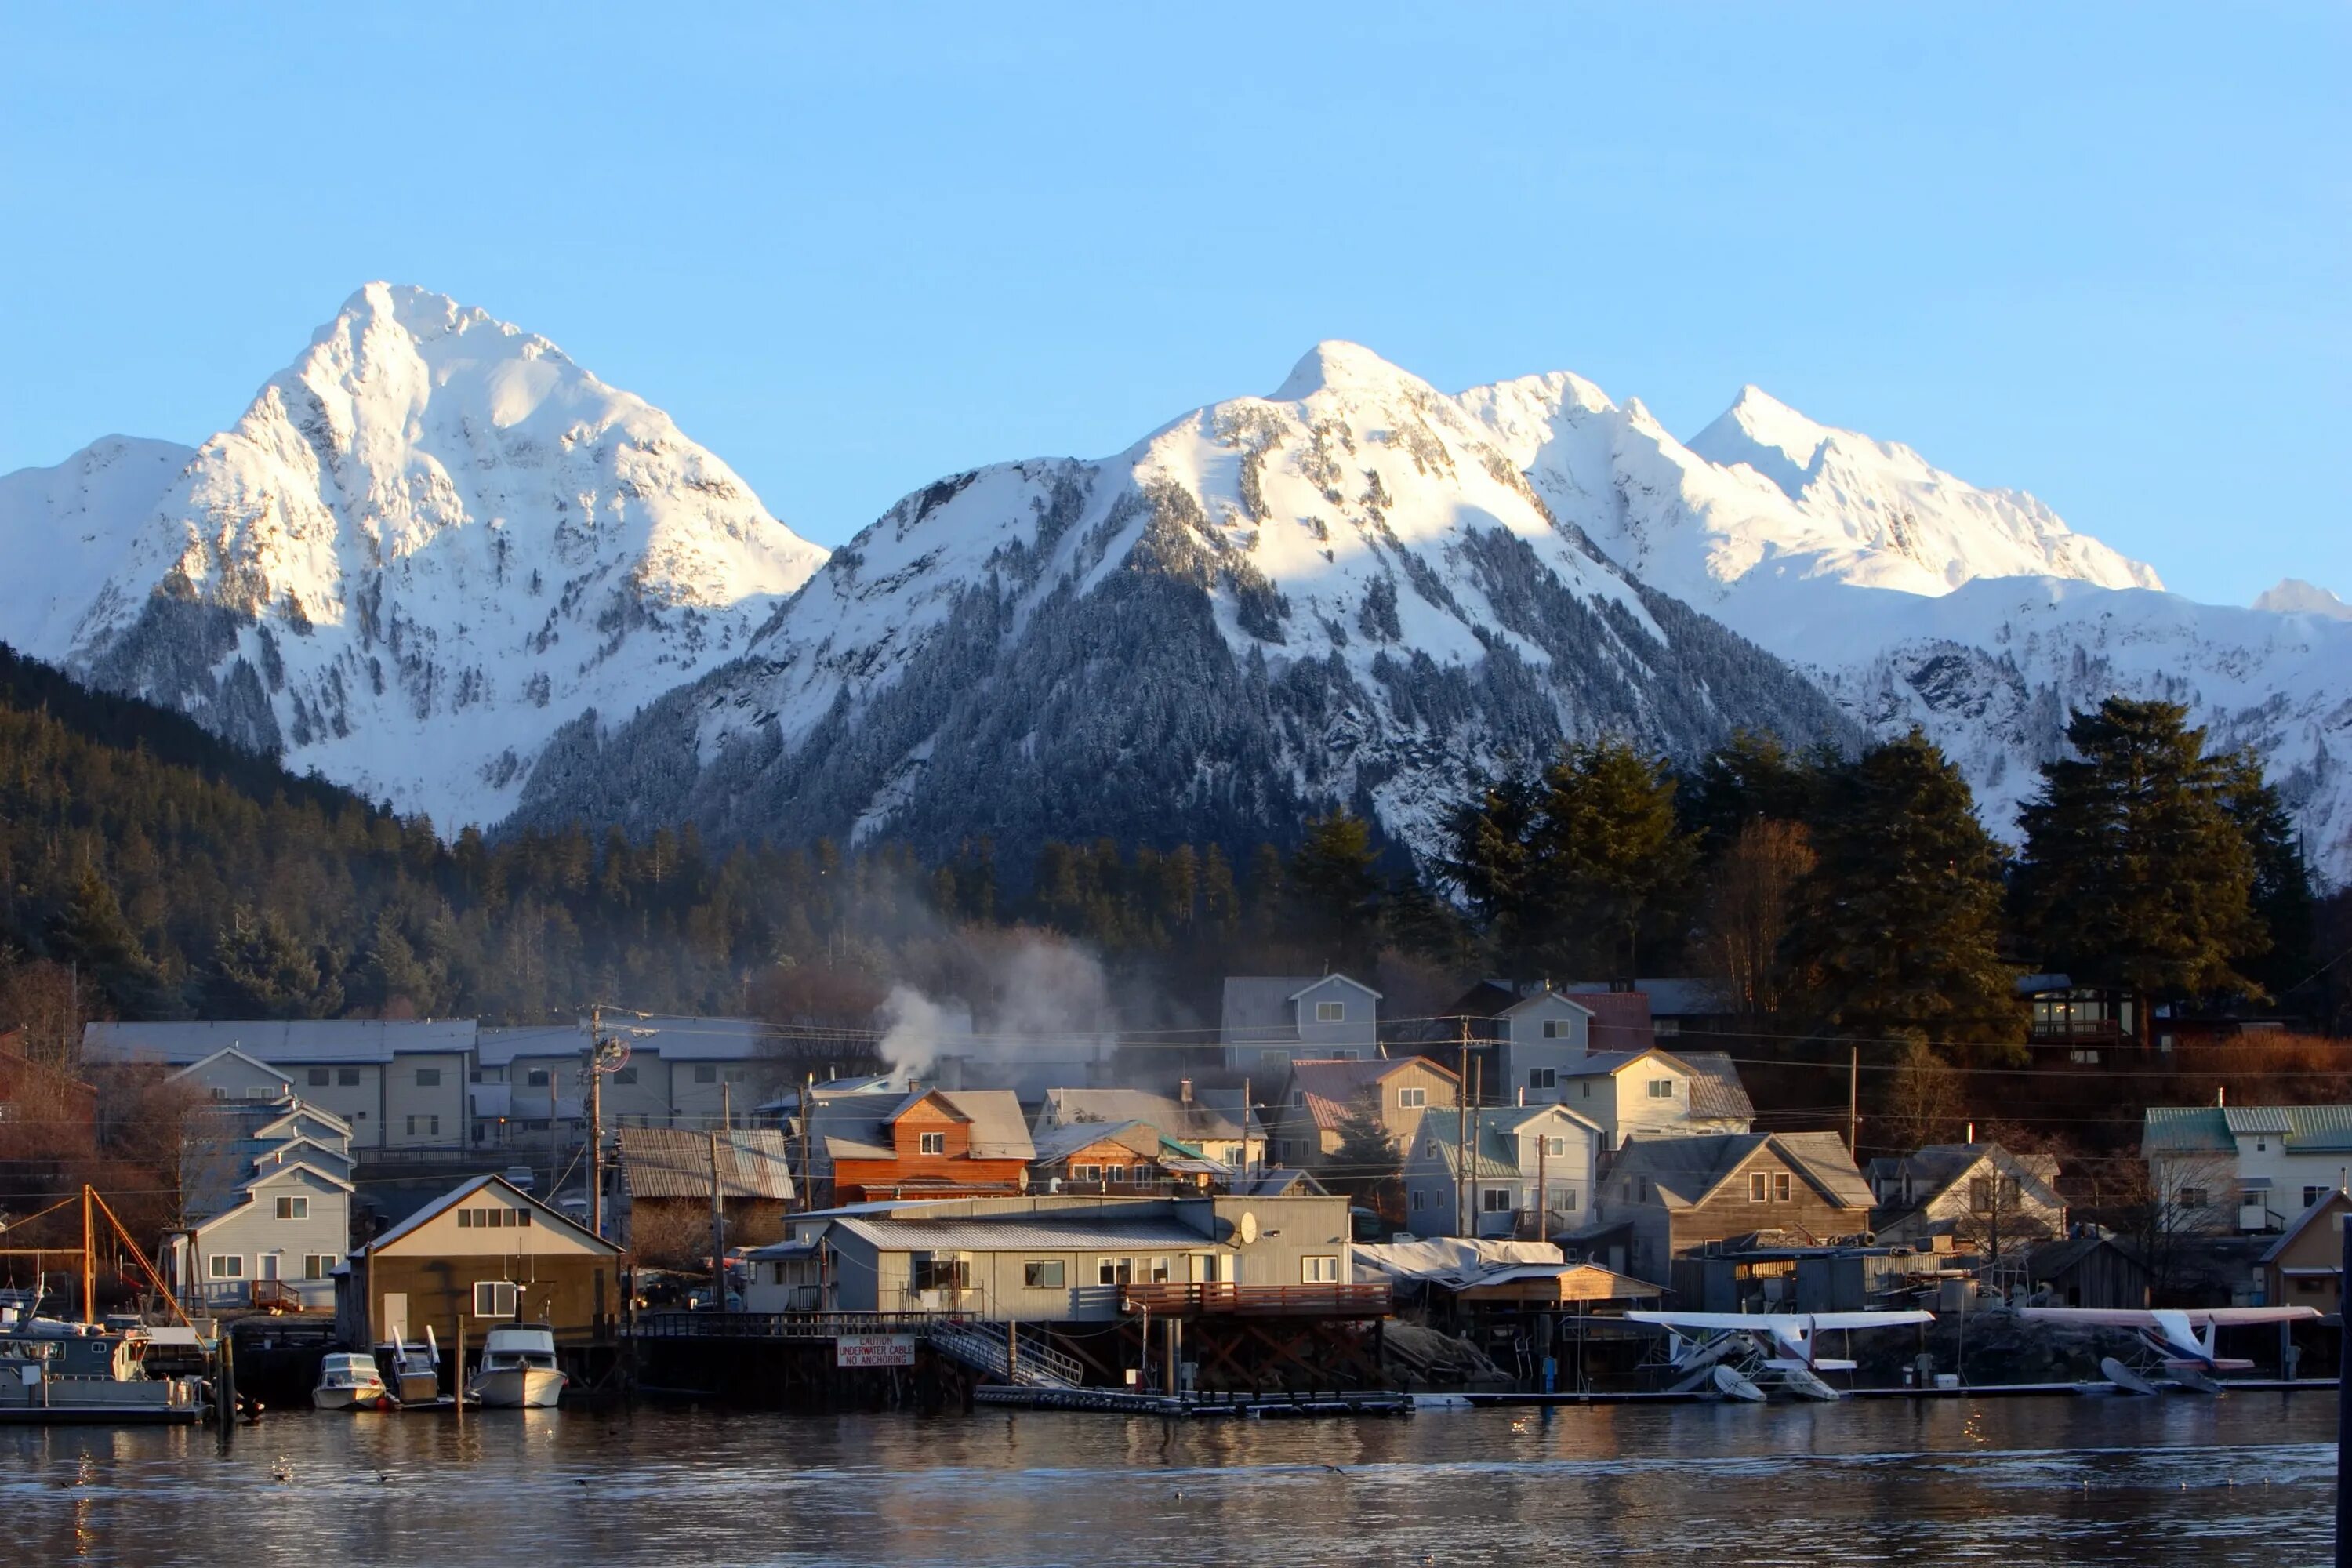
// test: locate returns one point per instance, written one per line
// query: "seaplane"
(1742, 1355)
(2172, 1338)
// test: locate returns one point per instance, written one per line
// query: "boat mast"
(89, 1263)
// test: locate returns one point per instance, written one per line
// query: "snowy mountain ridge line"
(426, 545)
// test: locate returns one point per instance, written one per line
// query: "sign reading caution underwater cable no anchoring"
(874, 1349)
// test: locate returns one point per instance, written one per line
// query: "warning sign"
(874, 1349)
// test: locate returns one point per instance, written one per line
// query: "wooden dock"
(1244, 1406)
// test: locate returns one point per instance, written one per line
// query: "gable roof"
(2216, 1129)
(1662, 997)
(228, 1055)
(1688, 1172)
(1061, 1142)
(2051, 1259)
(458, 1194)
(1495, 1136)
(857, 1126)
(1258, 1007)
(1333, 1086)
(1715, 1092)
(2335, 1202)
(1211, 1116)
(672, 1163)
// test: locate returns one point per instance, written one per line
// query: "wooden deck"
(1259, 1300)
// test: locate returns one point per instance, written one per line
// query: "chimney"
(1184, 1090)
(2221, 1095)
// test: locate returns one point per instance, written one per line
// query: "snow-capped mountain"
(428, 544)
(1345, 591)
(2293, 596)
(1362, 589)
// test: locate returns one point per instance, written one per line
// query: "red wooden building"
(934, 1143)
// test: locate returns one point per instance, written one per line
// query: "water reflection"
(2247, 1478)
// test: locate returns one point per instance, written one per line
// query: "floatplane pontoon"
(1748, 1355)
(2172, 1339)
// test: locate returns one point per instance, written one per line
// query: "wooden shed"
(485, 1254)
(2090, 1272)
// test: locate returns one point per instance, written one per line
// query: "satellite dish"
(1248, 1226)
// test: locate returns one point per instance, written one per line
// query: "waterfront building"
(266, 1192)
(926, 1143)
(1667, 1198)
(2304, 1268)
(1984, 1197)
(662, 1207)
(1528, 1174)
(483, 1254)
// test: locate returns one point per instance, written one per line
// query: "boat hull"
(518, 1388)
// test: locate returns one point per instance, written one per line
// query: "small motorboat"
(518, 1371)
(347, 1381)
(416, 1371)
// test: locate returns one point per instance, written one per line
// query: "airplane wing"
(2234, 1316)
(2198, 1317)
(1869, 1319)
(1753, 1322)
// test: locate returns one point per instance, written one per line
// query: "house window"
(1298, 1100)
(348, 1077)
(1780, 1187)
(428, 1125)
(1085, 1173)
(1409, 1098)
(1567, 1199)
(428, 1077)
(2262, 1145)
(1543, 1078)
(931, 1143)
(942, 1274)
(1419, 1200)
(228, 1266)
(1320, 1268)
(1588, 1088)
(1555, 1147)
(1330, 1012)
(2313, 1194)
(1113, 1271)
(2191, 1197)
(1759, 1186)
(1662, 1088)
(2086, 1055)
(1980, 1195)
(2309, 1286)
(1495, 1200)
(1115, 1173)
(1560, 1028)
(293, 1208)
(625, 1075)
(494, 1299)
(318, 1265)
(536, 1078)
(706, 1072)
(318, 1077)
(1044, 1274)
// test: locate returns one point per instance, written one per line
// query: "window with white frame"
(931, 1143)
(1114, 1271)
(1662, 1088)
(294, 1208)
(1567, 1200)
(1543, 1078)
(1319, 1269)
(494, 1299)
(225, 1265)
(318, 1266)
(1555, 1147)
(1495, 1200)
(1330, 1012)
(1298, 1100)
(1780, 1187)
(1085, 1173)
(1046, 1274)
(1559, 1029)
(1759, 1187)
(1115, 1173)
(1407, 1098)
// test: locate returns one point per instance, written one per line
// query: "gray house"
(398, 1085)
(1273, 1020)
(268, 1189)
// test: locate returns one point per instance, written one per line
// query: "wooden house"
(2304, 1268)
(666, 1177)
(1669, 1197)
(485, 1254)
(2089, 1271)
(1321, 1096)
(935, 1143)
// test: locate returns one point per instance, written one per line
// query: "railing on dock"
(1259, 1301)
(787, 1325)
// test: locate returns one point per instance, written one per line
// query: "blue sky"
(2099, 253)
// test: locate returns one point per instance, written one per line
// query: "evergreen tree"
(1335, 892)
(2136, 874)
(92, 933)
(1899, 922)
(1366, 1166)
(1611, 846)
(1750, 777)
(262, 970)
(2281, 895)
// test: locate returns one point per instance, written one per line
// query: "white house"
(2246, 1167)
(1273, 1020)
(398, 1085)
(1653, 1094)
(267, 1191)
(1532, 1174)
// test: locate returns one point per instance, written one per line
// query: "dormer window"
(1330, 1012)
(1409, 1098)
(931, 1143)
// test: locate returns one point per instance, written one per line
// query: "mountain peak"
(1337, 365)
(2293, 596)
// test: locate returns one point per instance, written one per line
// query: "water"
(2245, 1479)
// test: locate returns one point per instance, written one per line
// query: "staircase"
(987, 1347)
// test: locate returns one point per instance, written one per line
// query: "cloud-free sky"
(2101, 253)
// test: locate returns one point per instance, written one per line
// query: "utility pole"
(596, 1118)
(1543, 1193)
(1461, 1131)
(717, 1234)
(808, 1175)
(1853, 1103)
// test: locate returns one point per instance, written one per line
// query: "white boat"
(347, 1381)
(518, 1371)
(46, 1376)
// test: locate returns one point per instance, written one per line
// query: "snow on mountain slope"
(2293, 596)
(1345, 591)
(64, 530)
(428, 543)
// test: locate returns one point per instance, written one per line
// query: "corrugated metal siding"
(669, 1163)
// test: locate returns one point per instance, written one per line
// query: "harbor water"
(2244, 1479)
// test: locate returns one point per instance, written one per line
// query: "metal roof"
(278, 1041)
(1058, 1231)
(1258, 1007)
(1685, 1170)
(548, 1213)
(1715, 1091)
(1208, 1116)
(673, 1039)
(670, 1162)
(2216, 1129)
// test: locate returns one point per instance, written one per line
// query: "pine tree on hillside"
(1899, 924)
(1750, 777)
(1612, 843)
(2136, 874)
(1334, 887)
(2281, 895)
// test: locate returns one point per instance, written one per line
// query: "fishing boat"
(347, 1381)
(518, 1371)
(91, 1377)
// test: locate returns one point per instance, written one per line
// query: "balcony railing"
(1260, 1300)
